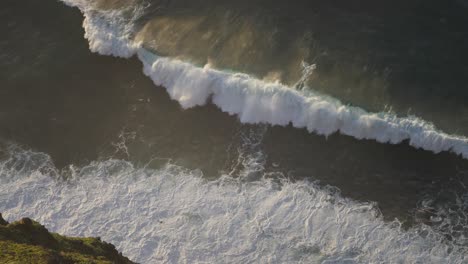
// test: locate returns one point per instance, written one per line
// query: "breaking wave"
(255, 100)
(173, 215)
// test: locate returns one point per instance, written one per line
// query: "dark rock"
(26, 221)
(2, 221)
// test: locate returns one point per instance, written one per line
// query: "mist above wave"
(257, 101)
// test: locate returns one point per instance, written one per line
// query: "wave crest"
(258, 101)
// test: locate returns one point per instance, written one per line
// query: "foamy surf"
(173, 215)
(257, 101)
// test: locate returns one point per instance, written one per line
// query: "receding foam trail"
(257, 101)
(173, 215)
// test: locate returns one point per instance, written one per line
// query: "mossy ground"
(27, 241)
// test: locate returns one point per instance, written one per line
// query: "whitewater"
(253, 100)
(173, 215)
(259, 195)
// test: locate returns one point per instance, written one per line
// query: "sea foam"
(257, 101)
(173, 215)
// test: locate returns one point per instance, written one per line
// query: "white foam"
(173, 215)
(108, 32)
(257, 101)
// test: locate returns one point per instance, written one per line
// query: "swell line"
(257, 101)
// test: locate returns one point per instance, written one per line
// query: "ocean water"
(240, 132)
(173, 215)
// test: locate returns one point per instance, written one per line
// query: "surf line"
(256, 101)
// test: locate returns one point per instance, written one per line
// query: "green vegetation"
(27, 241)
